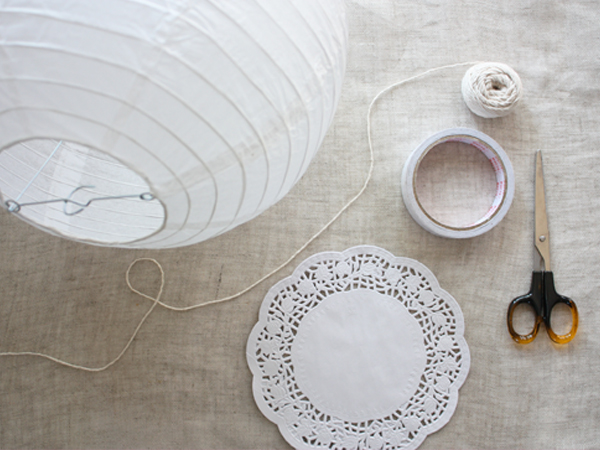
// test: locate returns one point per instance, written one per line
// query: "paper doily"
(358, 350)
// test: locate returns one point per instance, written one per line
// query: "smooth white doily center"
(359, 355)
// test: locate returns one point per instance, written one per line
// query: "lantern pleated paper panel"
(159, 124)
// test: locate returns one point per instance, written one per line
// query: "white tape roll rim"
(505, 183)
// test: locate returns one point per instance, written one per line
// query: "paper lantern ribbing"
(161, 123)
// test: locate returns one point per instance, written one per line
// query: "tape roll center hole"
(456, 184)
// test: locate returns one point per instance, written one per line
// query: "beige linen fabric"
(185, 383)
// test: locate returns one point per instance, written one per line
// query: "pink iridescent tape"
(505, 183)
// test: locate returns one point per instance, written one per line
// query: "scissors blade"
(542, 238)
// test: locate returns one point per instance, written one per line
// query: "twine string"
(157, 299)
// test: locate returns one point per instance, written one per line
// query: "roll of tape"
(505, 183)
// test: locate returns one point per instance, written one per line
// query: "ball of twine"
(491, 89)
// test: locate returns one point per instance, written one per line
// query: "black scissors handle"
(542, 299)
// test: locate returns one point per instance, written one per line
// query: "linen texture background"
(185, 383)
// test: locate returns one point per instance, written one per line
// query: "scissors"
(542, 297)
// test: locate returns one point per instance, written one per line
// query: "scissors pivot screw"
(542, 238)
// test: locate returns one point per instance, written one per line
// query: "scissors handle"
(535, 299)
(542, 299)
(552, 299)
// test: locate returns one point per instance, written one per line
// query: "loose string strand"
(400, 83)
(157, 301)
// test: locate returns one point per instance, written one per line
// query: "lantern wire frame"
(47, 180)
(14, 206)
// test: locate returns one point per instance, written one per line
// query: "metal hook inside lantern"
(14, 206)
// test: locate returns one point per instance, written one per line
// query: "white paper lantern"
(210, 110)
